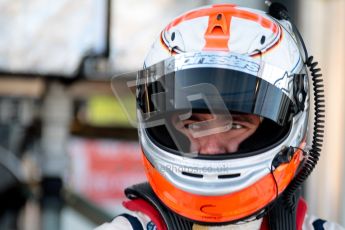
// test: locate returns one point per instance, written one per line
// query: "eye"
(187, 123)
(236, 126)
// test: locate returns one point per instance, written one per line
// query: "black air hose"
(318, 133)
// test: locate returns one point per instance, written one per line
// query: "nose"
(212, 145)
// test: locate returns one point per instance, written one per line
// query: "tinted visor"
(201, 90)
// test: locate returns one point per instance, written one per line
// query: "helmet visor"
(213, 104)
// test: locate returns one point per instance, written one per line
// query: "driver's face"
(243, 126)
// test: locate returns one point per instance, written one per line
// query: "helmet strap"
(282, 215)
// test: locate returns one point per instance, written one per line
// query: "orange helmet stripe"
(225, 9)
(218, 31)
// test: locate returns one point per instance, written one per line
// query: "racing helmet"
(222, 105)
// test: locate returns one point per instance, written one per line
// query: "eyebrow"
(195, 118)
(244, 118)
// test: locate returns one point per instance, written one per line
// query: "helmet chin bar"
(227, 208)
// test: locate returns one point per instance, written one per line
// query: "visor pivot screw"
(219, 17)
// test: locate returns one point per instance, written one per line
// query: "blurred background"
(67, 150)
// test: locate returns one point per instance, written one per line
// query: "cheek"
(232, 146)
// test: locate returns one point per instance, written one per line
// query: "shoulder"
(315, 223)
(130, 220)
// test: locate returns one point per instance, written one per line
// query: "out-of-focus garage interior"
(67, 149)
